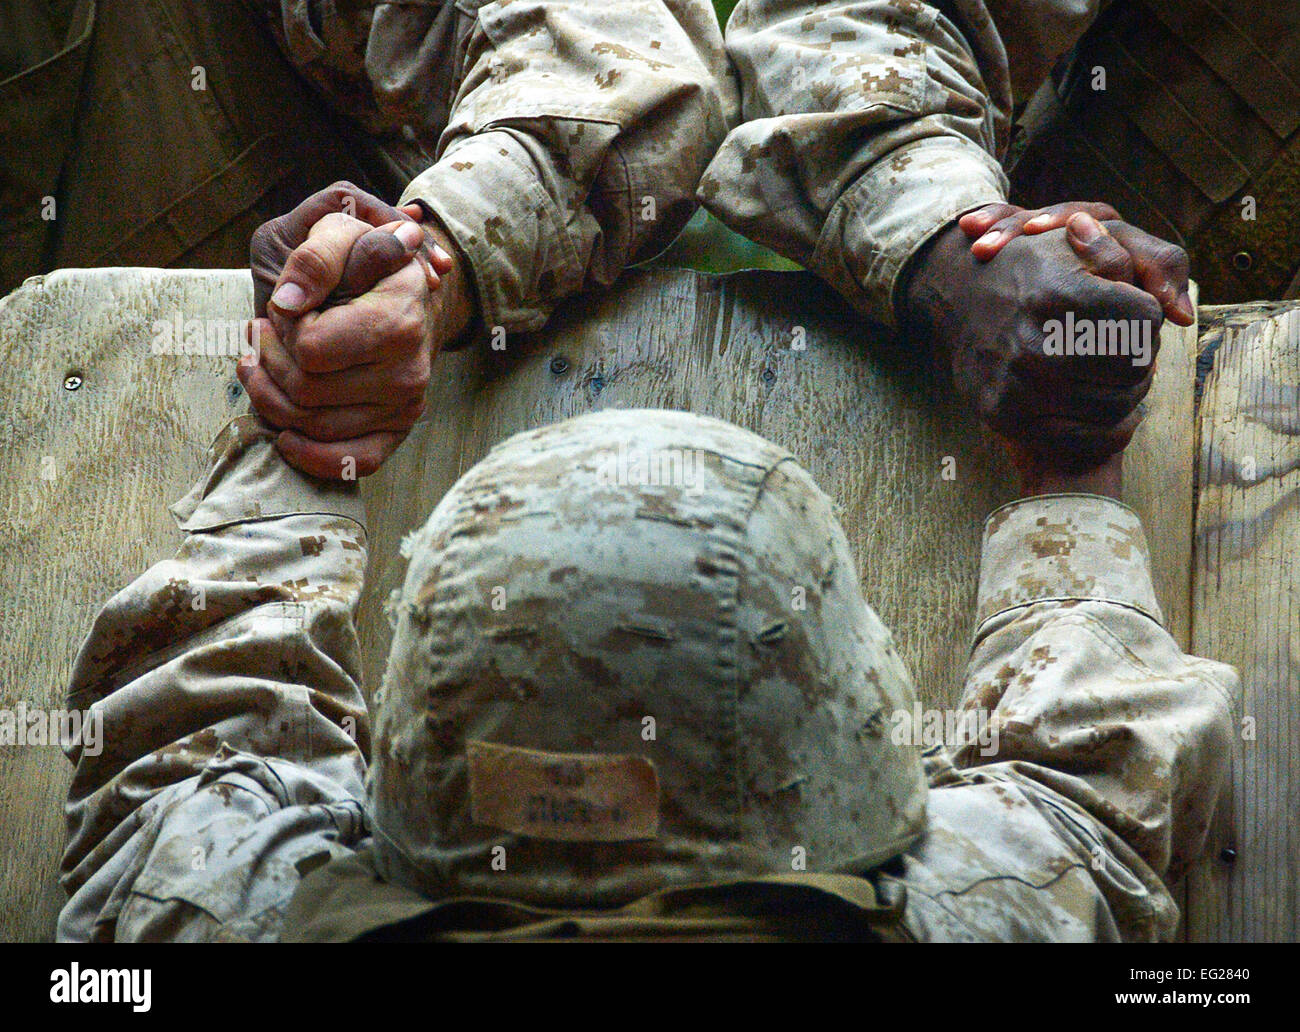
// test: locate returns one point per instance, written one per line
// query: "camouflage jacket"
(233, 749)
(557, 141)
(870, 126)
(569, 136)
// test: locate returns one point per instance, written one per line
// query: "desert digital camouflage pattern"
(569, 136)
(869, 126)
(621, 566)
(557, 141)
(656, 574)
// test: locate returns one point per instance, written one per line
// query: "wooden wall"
(85, 475)
(1246, 599)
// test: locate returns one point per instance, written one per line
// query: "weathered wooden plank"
(1247, 602)
(86, 475)
(773, 352)
(1159, 474)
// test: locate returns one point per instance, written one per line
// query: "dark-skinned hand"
(368, 260)
(1158, 266)
(345, 352)
(987, 320)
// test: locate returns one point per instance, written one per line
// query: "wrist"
(452, 303)
(923, 306)
(1038, 477)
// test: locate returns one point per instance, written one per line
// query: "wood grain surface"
(87, 473)
(1246, 590)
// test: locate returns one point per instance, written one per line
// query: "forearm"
(1088, 694)
(233, 664)
(868, 128)
(577, 138)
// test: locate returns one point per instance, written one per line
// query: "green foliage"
(706, 245)
(724, 9)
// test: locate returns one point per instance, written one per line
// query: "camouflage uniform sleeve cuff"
(486, 193)
(248, 480)
(893, 209)
(1061, 548)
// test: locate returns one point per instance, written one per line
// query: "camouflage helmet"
(631, 652)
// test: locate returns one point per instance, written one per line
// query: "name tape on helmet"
(571, 797)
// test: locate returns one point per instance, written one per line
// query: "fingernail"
(989, 239)
(409, 234)
(441, 255)
(289, 297)
(430, 274)
(1038, 220)
(1085, 228)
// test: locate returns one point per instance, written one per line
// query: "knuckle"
(1025, 358)
(1099, 210)
(297, 388)
(258, 395)
(307, 263)
(1114, 261)
(1146, 308)
(318, 427)
(1051, 298)
(310, 356)
(263, 237)
(1141, 389)
(410, 380)
(1171, 256)
(408, 329)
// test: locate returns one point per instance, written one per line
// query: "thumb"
(316, 266)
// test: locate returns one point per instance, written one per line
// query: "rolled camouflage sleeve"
(1089, 695)
(232, 749)
(869, 126)
(557, 141)
(575, 142)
